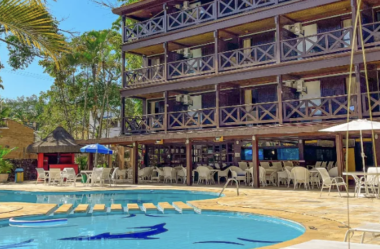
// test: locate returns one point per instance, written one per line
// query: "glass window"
(288, 154)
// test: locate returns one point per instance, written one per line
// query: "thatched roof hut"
(59, 141)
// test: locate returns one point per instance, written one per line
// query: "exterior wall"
(17, 135)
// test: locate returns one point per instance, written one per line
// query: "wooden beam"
(120, 156)
(358, 91)
(233, 35)
(134, 162)
(278, 38)
(189, 163)
(217, 103)
(124, 80)
(216, 51)
(255, 161)
(180, 91)
(179, 44)
(354, 9)
(122, 115)
(237, 150)
(90, 161)
(232, 21)
(339, 153)
(166, 57)
(166, 111)
(279, 98)
(301, 152)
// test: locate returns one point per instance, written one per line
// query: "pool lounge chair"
(69, 175)
(372, 228)
(42, 175)
(55, 176)
(328, 182)
(321, 244)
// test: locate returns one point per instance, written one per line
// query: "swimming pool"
(199, 231)
(105, 197)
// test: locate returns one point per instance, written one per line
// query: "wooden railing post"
(165, 61)
(122, 115)
(134, 162)
(301, 152)
(189, 162)
(355, 39)
(255, 161)
(123, 29)
(278, 39)
(279, 99)
(339, 154)
(217, 117)
(123, 69)
(216, 51)
(165, 19)
(358, 92)
(166, 112)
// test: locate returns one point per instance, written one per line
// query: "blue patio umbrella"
(96, 148)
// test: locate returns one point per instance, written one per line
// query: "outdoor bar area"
(56, 151)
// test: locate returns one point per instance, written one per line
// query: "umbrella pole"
(362, 150)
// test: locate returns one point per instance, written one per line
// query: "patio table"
(367, 194)
(87, 173)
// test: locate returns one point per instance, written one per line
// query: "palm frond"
(31, 23)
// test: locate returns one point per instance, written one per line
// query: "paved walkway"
(323, 217)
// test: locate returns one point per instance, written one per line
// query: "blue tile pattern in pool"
(105, 197)
(196, 231)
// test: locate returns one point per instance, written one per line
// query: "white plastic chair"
(277, 165)
(324, 165)
(243, 165)
(290, 176)
(223, 174)
(301, 176)
(265, 165)
(328, 182)
(168, 174)
(105, 176)
(333, 172)
(145, 173)
(288, 163)
(182, 174)
(203, 174)
(55, 176)
(158, 174)
(69, 175)
(116, 176)
(370, 181)
(42, 175)
(95, 176)
(330, 165)
(241, 174)
(262, 176)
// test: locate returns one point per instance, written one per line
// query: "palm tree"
(32, 24)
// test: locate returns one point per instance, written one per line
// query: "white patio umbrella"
(356, 125)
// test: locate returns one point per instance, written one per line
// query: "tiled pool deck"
(323, 217)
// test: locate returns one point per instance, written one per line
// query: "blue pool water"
(105, 197)
(160, 231)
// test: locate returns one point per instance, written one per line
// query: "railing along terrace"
(191, 119)
(194, 66)
(332, 107)
(371, 34)
(144, 123)
(244, 57)
(144, 75)
(143, 29)
(231, 7)
(374, 101)
(187, 17)
(199, 14)
(318, 44)
(249, 114)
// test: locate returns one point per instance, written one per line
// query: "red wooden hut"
(57, 150)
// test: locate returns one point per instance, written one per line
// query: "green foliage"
(5, 165)
(82, 162)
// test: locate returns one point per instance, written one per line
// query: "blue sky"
(77, 15)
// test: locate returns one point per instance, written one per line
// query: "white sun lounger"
(321, 244)
(365, 228)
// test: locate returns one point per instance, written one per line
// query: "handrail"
(228, 181)
(193, 110)
(318, 34)
(326, 97)
(255, 104)
(190, 59)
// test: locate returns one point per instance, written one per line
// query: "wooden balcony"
(189, 67)
(143, 76)
(374, 98)
(371, 34)
(293, 111)
(217, 9)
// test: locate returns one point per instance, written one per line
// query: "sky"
(76, 15)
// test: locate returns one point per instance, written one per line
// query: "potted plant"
(5, 165)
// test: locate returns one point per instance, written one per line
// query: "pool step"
(149, 208)
(98, 208)
(166, 208)
(64, 209)
(182, 207)
(82, 208)
(133, 208)
(116, 208)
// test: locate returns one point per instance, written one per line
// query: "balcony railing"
(144, 75)
(144, 123)
(318, 108)
(194, 66)
(319, 44)
(249, 114)
(192, 119)
(371, 34)
(244, 57)
(374, 101)
(143, 29)
(184, 18)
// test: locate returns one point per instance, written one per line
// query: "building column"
(217, 93)
(278, 39)
(376, 158)
(122, 115)
(301, 152)
(339, 153)
(134, 161)
(90, 161)
(166, 121)
(237, 150)
(216, 51)
(166, 54)
(189, 162)
(120, 156)
(279, 99)
(124, 80)
(359, 102)
(40, 160)
(255, 161)
(354, 9)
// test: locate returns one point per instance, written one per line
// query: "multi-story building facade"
(230, 80)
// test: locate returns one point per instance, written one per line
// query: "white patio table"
(358, 174)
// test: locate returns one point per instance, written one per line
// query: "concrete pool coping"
(323, 218)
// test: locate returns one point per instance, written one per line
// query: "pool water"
(105, 197)
(207, 230)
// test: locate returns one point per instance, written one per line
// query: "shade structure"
(356, 125)
(96, 148)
